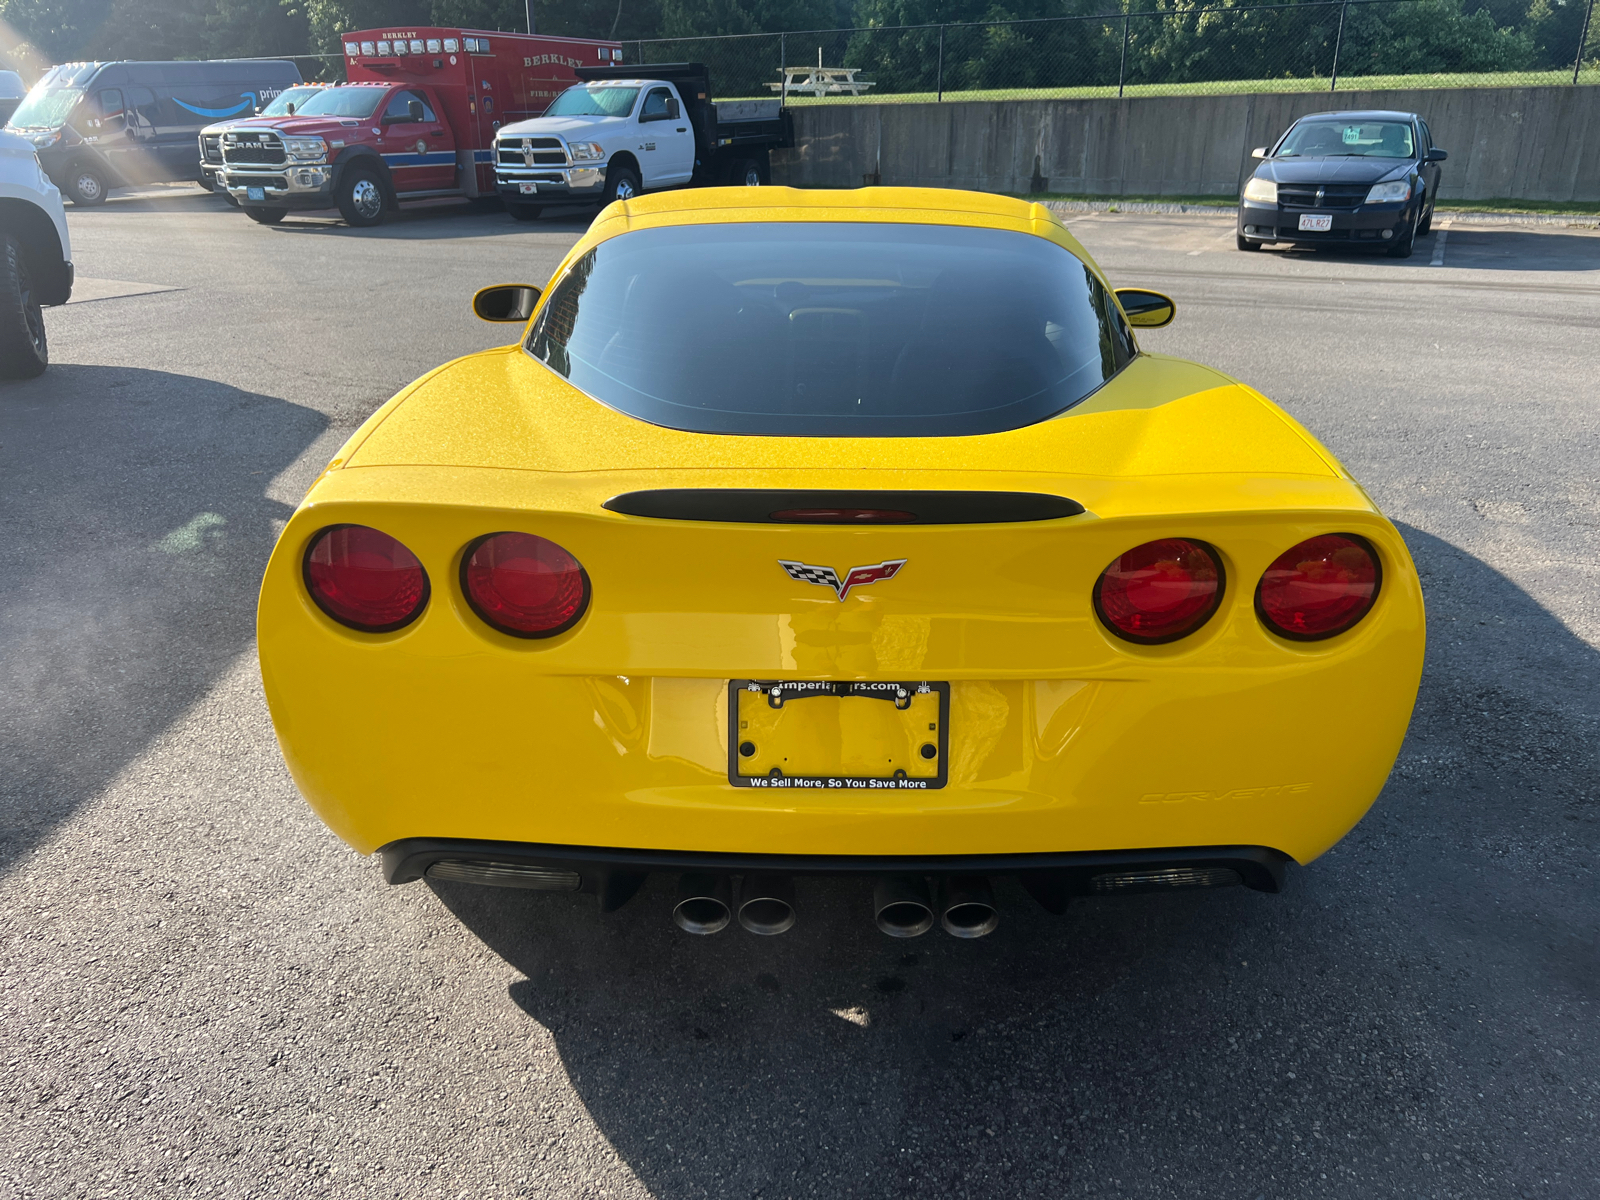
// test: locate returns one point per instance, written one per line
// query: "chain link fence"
(1315, 45)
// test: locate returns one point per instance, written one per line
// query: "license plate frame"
(255, 193)
(528, 189)
(804, 691)
(1316, 222)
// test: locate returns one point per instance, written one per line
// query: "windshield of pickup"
(582, 101)
(825, 329)
(358, 101)
(45, 108)
(1347, 139)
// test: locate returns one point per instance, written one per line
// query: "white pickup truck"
(627, 130)
(35, 258)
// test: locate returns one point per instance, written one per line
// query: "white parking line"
(1438, 244)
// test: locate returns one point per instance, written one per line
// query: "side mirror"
(1146, 310)
(1436, 155)
(672, 108)
(505, 302)
(1259, 152)
(414, 107)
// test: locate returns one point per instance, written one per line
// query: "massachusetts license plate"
(1315, 223)
(255, 193)
(529, 189)
(827, 735)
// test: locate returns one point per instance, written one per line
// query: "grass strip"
(1223, 87)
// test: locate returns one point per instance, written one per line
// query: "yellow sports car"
(841, 533)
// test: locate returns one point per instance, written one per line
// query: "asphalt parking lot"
(203, 993)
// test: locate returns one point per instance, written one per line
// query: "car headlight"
(306, 149)
(585, 151)
(47, 139)
(1262, 191)
(1388, 193)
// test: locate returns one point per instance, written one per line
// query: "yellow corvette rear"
(726, 703)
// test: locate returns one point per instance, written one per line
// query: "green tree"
(55, 30)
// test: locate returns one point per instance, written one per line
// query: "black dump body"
(736, 128)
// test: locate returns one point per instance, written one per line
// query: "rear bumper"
(1374, 224)
(609, 871)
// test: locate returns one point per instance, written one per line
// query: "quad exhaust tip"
(966, 906)
(902, 906)
(704, 904)
(766, 904)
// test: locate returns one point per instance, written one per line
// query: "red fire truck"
(416, 120)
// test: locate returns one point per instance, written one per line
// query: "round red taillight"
(365, 579)
(1320, 588)
(524, 585)
(1160, 591)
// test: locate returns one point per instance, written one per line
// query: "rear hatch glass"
(825, 329)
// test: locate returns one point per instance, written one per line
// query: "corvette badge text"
(1255, 793)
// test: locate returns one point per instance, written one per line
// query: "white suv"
(35, 258)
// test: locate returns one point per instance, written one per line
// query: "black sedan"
(1344, 179)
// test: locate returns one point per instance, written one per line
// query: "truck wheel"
(524, 212)
(360, 197)
(622, 183)
(745, 172)
(266, 216)
(86, 186)
(24, 352)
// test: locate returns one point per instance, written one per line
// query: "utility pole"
(940, 77)
(530, 16)
(1583, 36)
(1122, 69)
(1338, 40)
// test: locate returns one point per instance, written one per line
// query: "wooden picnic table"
(821, 81)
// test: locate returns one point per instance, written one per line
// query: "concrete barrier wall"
(1540, 143)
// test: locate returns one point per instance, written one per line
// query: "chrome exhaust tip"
(902, 906)
(966, 906)
(766, 904)
(703, 904)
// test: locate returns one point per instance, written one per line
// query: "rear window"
(816, 329)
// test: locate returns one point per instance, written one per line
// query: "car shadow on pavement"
(1476, 247)
(133, 535)
(446, 221)
(1387, 1027)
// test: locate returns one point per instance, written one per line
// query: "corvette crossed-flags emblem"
(853, 578)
